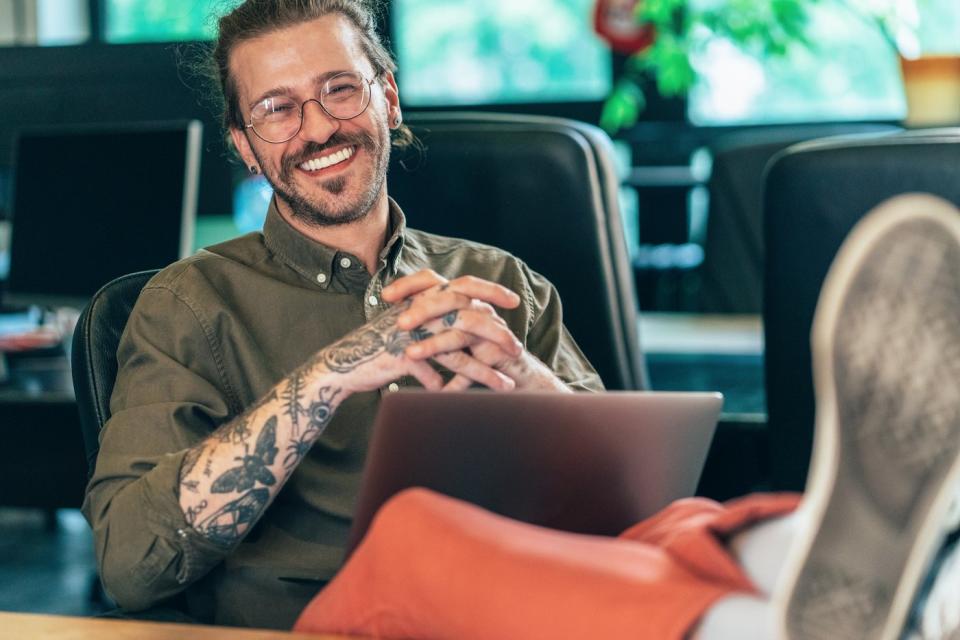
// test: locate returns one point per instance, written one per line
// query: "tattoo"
(420, 333)
(227, 525)
(189, 463)
(236, 431)
(451, 318)
(321, 413)
(368, 342)
(252, 468)
(193, 512)
(292, 396)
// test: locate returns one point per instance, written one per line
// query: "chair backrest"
(732, 269)
(815, 193)
(94, 357)
(545, 189)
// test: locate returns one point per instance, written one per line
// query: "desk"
(20, 626)
(44, 464)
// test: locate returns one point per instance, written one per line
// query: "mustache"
(361, 139)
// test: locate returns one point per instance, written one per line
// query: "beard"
(311, 211)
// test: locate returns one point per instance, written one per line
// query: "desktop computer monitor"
(93, 203)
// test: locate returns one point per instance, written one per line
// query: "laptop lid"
(581, 462)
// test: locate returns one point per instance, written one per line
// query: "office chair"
(815, 193)
(94, 355)
(732, 269)
(546, 190)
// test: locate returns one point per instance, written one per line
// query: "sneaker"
(886, 352)
(936, 613)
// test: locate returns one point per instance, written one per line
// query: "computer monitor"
(93, 203)
(499, 52)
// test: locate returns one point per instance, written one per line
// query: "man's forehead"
(297, 54)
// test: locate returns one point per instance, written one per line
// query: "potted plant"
(676, 33)
(670, 33)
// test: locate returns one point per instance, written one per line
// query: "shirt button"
(321, 278)
(372, 301)
(393, 388)
(345, 263)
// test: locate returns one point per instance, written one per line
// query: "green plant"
(683, 28)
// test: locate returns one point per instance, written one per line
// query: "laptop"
(593, 463)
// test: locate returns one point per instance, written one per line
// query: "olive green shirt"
(211, 335)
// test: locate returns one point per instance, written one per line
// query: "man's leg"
(886, 346)
(434, 567)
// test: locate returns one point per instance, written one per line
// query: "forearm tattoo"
(252, 476)
(320, 413)
(372, 340)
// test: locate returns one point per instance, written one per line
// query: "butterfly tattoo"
(252, 467)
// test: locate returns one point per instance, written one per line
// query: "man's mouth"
(328, 160)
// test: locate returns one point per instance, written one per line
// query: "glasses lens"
(345, 95)
(276, 119)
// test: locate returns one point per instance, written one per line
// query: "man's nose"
(317, 124)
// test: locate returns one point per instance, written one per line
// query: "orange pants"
(434, 567)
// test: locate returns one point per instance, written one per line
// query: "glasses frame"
(319, 101)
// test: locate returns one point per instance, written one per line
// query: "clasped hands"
(454, 323)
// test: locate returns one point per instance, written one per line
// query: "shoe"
(886, 360)
(936, 614)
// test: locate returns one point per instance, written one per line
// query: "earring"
(397, 121)
(254, 170)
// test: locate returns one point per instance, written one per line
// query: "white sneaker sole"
(886, 353)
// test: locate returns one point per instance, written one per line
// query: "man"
(250, 373)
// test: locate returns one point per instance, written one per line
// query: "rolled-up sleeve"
(548, 338)
(169, 395)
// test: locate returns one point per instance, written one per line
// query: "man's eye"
(341, 89)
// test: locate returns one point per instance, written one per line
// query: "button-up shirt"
(211, 335)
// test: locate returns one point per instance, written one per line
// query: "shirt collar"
(315, 260)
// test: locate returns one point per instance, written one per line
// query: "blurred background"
(697, 95)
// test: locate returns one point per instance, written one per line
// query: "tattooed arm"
(228, 479)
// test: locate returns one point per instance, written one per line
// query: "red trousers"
(433, 567)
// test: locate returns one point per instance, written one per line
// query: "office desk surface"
(43, 627)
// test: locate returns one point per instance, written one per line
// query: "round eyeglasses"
(278, 119)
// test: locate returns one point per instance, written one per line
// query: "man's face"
(294, 62)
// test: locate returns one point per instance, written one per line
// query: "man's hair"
(254, 18)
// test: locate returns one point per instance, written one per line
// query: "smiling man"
(250, 373)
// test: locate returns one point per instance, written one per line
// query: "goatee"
(314, 214)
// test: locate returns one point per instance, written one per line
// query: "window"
(850, 72)
(498, 51)
(162, 20)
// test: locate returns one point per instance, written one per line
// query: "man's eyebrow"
(318, 80)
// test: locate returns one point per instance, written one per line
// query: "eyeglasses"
(278, 119)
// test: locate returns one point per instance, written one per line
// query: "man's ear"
(392, 93)
(242, 145)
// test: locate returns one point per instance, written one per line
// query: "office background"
(691, 171)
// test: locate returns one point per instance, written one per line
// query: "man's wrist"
(531, 374)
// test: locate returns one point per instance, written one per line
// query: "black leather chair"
(815, 193)
(732, 268)
(545, 189)
(94, 356)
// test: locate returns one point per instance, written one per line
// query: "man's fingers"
(476, 325)
(444, 342)
(458, 383)
(427, 376)
(434, 305)
(466, 365)
(495, 294)
(408, 286)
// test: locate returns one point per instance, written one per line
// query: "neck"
(364, 238)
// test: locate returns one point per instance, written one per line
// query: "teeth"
(327, 161)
